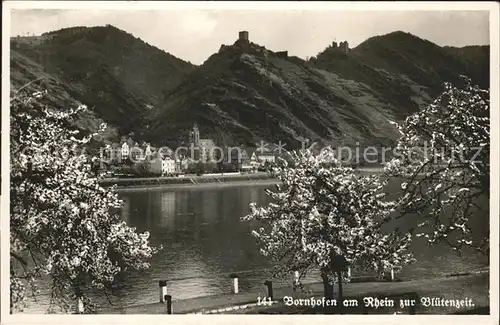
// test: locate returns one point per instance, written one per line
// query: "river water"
(204, 241)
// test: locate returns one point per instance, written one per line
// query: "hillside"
(240, 96)
(404, 70)
(476, 60)
(29, 75)
(246, 93)
(111, 71)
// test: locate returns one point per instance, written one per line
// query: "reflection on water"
(126, 210)
(202, 237)
(204, 240)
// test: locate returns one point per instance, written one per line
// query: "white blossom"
(323, 209)
(60, 216)
(444, 184)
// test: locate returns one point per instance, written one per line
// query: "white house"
(261, 157)
(207, 149)
(147, 152)
(167, 166)
(181, 164)
(162, 167)
(245, 161)
(125, 149)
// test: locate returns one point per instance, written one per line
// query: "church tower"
(195, 135)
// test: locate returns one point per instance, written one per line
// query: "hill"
(27, 74)
(476, 60)
(404, 70)
(246, 93)
(118, 75)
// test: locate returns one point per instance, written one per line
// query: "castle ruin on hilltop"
(341, 47)
(244, 42)
(244, 39)
(243, 36)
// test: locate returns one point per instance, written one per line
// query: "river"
(204, 241)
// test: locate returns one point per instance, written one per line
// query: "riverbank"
(186, 179)
(195, 186)
(207, 180)
(472, 287)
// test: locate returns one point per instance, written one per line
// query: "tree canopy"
(443, 155)
(322, 210)
(64, 226)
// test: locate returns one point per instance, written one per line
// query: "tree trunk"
(340, 299)
(327, 287)
(328, 291)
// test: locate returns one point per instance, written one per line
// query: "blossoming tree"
(63, 225)
(323, 210)
(443, 157)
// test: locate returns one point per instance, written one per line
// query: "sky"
(193, 35)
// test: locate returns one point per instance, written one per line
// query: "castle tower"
(344, 47)
(243, 36)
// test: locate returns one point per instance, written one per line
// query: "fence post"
(163, 289)
(168, 300)
(79, 306)
(269, 285)
(392, 274)
(235, 282)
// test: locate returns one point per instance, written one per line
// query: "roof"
(264, 154)
(244, 154)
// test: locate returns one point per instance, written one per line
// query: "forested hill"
(116, 74)
(245, 92)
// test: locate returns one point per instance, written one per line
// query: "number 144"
(264, 301)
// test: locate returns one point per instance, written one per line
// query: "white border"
(492, 7)
(256, 5)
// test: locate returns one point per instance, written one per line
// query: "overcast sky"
(195, 35)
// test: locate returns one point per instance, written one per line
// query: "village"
(202, 156)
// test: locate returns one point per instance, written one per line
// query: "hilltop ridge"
(245, 92)
(117, 74)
